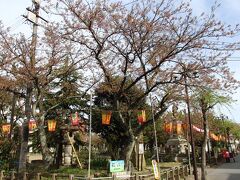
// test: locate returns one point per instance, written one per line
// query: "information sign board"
(117, 166)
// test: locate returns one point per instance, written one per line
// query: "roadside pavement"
(225, 171)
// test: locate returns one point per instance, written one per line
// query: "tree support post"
(80, 165)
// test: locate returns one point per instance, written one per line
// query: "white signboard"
(122, 175)
(141, 149)
(31, 17)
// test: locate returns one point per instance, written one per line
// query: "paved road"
(226, 171)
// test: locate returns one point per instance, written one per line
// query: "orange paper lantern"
(141, 117)
(168, 127)
(52, 125)
(106, 117)
(6, 128)
(32, 124)
(179, 128)
(75, 119)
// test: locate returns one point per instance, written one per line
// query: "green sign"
(117, 166)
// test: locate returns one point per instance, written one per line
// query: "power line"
(232, 59)
(130, 2)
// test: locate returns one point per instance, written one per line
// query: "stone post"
(67, 155)
(38, 176)
(54, 176)
(71, 176)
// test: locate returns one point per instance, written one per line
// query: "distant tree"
(207, 99)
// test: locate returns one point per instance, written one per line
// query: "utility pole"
(33, 15)
(34, 33)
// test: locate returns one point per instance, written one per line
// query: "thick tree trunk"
(59, 151)
(25, 133)
(47, 157)
(127, 149)
(205, 139)
(24, 148)
(126, 152)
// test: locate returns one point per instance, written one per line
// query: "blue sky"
(229, 13)
(11, 12)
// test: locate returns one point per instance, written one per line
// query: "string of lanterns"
(169, 127)
(51, 124)
(75, 120)
(106, 117)
(212, 135)
(178, 127)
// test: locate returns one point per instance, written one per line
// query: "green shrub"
(99, 163)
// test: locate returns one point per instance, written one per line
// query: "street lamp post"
(228, 137)
(90, 138)
(188, 146)
(155, 133)
(190, 127)
(224, 129)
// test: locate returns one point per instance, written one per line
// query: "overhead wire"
(17, 24)
(232, 59)
(130, 2)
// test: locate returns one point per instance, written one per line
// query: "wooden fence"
(175, 173)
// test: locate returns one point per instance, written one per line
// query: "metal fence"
(175, 173)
